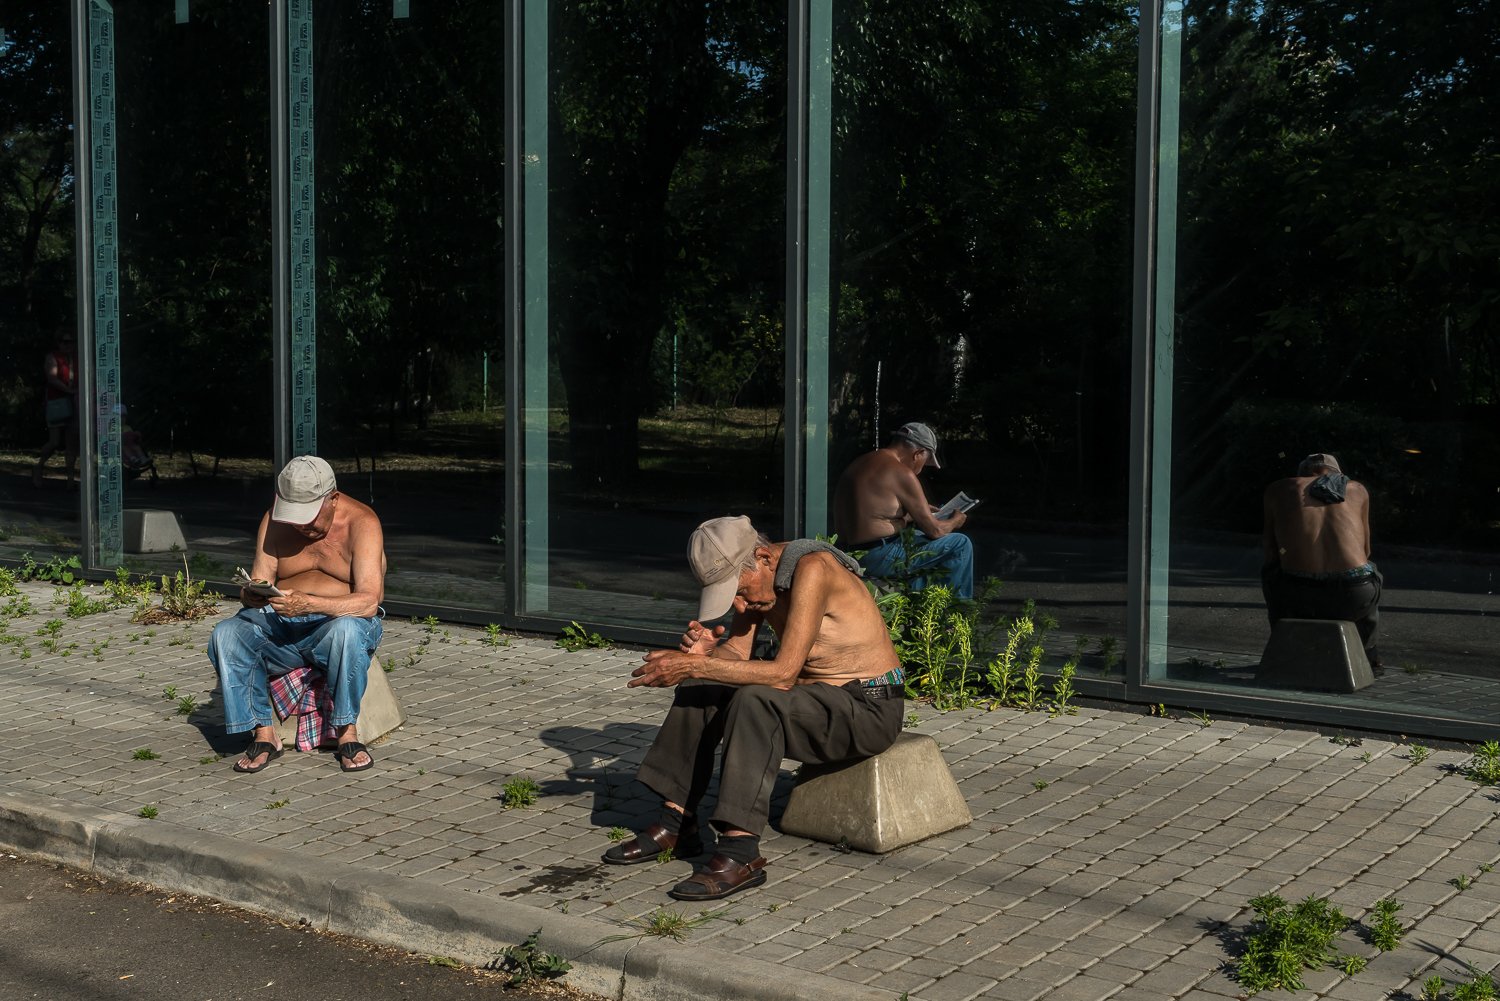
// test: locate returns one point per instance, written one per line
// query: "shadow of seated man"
(1316, 545)
(834, 692)
(324, 552)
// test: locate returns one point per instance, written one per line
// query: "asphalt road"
(69, 936)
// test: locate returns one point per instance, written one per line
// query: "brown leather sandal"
(650, 843)
(722, 877)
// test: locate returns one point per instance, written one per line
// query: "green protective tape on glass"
(182, 11)
(400, 8)
(104, 214)
(302, 228)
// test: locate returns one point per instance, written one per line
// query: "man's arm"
(264, 567)
(914, 502)
(807, 604)
(1365, 517)
(1270, 553)
(366, 578)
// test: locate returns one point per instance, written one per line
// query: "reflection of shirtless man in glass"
(1317, 550)
(326, 553)
(879, 495)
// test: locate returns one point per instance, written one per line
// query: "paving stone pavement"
(1112, 855)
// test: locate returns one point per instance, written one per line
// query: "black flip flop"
(348, 751)
(259, 747)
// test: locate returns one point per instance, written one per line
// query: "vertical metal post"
(83, 249)
(281, 303)
(515, 305)
(795, 395)
(1147, 133)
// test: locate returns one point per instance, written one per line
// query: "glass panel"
(193, 374)
(404, 318)
(37, 308)
(980, 204)
(665, 178)
(1334, 291)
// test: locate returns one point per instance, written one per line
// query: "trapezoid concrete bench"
(1318, 655)
(152, 531)
(902, 795)
(379, 711)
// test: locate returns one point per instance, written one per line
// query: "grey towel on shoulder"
(1329, 487)
(798, 548)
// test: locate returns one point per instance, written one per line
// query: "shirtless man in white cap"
(1316, 546)
(325, 552)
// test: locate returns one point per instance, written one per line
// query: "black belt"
(871, 544)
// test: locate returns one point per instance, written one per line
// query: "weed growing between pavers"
(519, 792)
(181, 598)
(1283, 941)
(527, 963)
(574, 637)
(1484, 766)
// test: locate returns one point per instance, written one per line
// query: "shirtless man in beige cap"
(325, 552)
(833, 693)
(1316, 546)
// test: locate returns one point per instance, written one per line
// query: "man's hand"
(955, 521)
(252, 599)
(664, 669)
(291, 604)
(700, 639)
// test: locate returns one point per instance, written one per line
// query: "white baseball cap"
(717, 551)
(301, 489)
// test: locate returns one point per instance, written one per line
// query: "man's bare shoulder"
(359, 513)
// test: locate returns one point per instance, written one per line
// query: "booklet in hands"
(960, 502)
(264, 588)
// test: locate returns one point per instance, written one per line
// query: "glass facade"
(551, 282)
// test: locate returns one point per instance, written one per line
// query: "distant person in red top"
(61, 370)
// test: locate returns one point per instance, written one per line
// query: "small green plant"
(1384, 927)
(7, 583)
(1484, 766)
(51, 628)
(1461, 882)
(80, 604)
(169, 694)
(145, 754)
(1486, 867)
(1419, 753)
(1432, 988)
(186, 705)
(17, 608)
(1343, 741)
(208, 760)
(123, 591)
(669, 924)
(528, 964)
(149, 812)
(1351, 964)
(1284, 940)
(447, 961)
(618, 834)
(665, 855)
(1201, 717)
(277, 804)
(1412, 668)
(912, 721)
(1481, 988)
(182, 598)
(575, 637)
(1159, 710)
(519, 792)
(493, 636)
(1039, 784)
(1109, 653)
(1367, 757)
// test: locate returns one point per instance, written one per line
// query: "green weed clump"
(1286, 940)
(575, 637)
(1384, 927)
(1484, 766)
(528, 964)
(519, 792)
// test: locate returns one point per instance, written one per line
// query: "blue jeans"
(258, 644)
(949, 560)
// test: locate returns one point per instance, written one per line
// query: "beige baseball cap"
(717, 550)
(301, 489)
(1318, 460)
(921, 436)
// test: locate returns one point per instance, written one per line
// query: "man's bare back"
(879, 495)
(850, 641)
(1306, 535)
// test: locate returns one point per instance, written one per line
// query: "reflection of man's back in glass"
(1317, 550)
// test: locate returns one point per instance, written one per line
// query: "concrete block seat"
(902, 795)
(379, 712)
(152, 531)
(1318, 655)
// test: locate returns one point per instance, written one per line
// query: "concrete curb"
(391, 910)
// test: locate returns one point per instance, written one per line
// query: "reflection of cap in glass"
(1316, 461)
(717, 550)
(301, 489)
(921, 436)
